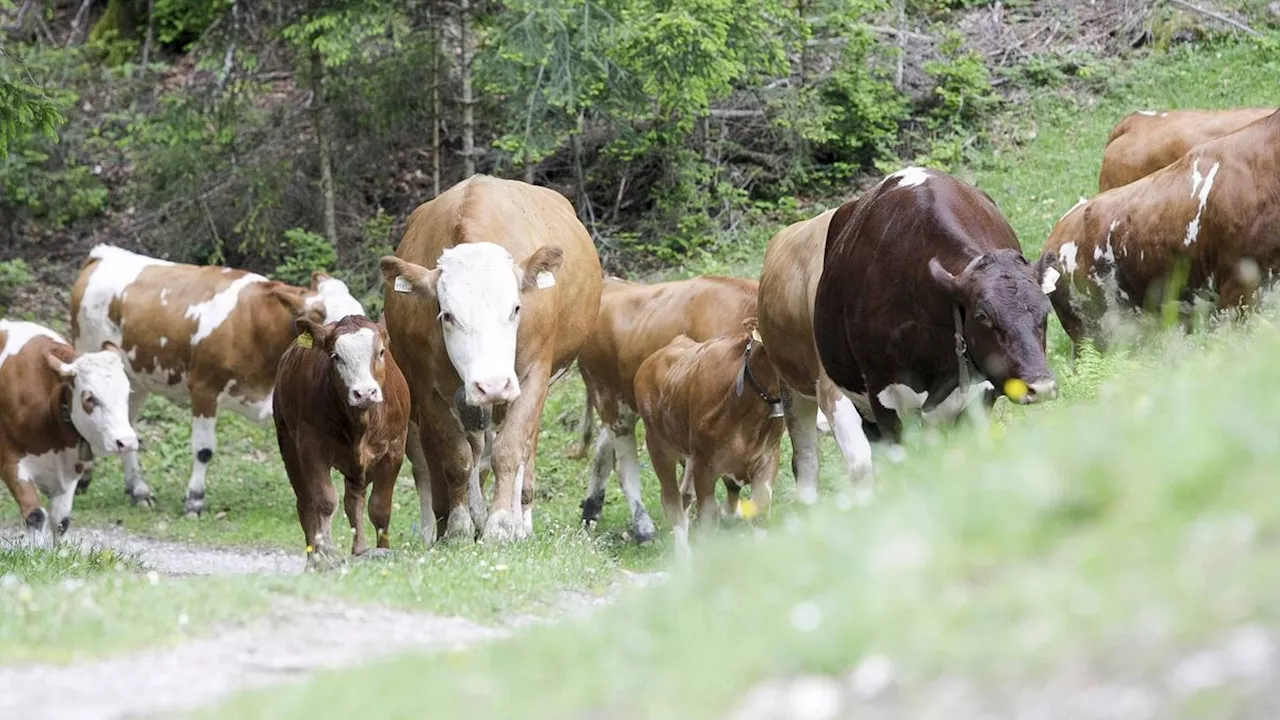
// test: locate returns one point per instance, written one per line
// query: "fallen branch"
(78, 21)
(1216, 16)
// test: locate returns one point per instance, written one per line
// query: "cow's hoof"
(577, 451)
(373, 554)
(503, 526)
(193, 508)
(592, 509)
(143, 500)
(644, 531)
(323, 559)
(807, 494)
(460, 527)
(83, 486)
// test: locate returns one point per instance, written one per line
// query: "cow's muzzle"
(365, 397)
(490, 391)
(1039, 390)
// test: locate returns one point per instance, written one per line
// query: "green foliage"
(865, 110)
(181, 22)
(32, 180)
(962, 93)
(24, 108)
(304, 252)
(14, 274)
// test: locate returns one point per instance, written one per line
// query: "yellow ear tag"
(305, 340)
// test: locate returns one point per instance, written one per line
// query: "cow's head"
(1005, 310)
(479, 289)
(327, 300)
(99, 398)
(357, 350)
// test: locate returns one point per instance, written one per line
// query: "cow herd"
(913, 301)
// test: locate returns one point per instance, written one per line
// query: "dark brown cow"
(1212, 218)
(1146, 141)
(51, 400)
(341, 402)
(924, 293)
(636, 321)
(715, 405)
(492, 292)
(788, 284)
(207, 336)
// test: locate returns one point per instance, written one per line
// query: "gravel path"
(173, 558)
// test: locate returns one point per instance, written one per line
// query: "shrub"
(304, 252)
(14, 274)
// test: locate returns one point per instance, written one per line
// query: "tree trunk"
(585, 210)
(151, 32)
(326, 150)
(436, 120)
(468, 114)
(902, 44)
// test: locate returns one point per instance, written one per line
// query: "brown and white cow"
(1211, 218)
(341, 402)
(788, 283)
(925, 298)
(51, 400)
(208, 336)
(493, 290)
(1146, 141)
(716, 405)
(635, 321)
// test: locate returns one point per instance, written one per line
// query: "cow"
(210, 337)
(925, 301)
(1208, 223)
(493, 290)
(715, 405)
(788, 283)
(53, 399)
(341, 402)
(1145, 141)
(635, 321)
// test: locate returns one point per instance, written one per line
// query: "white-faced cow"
(788, 284)
(635, 321)
(925, 297)
(341, 402)
(493, 290)
(210, 336)
(1211, 219)
(715, 406)
(1146, 141)
(52, 399)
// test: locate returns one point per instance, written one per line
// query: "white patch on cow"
(1067, 253)
(1106, 251)
(337, 299)
(1050, 280)
(116, 270)
(243, 403)
(51, 471)
(853, 443)
(955, 404)
(163, 341)
(164, 297)
(132, 354)
(211, 313)
(478, 291)
(204, 436)
(18, 333)
(353, 359)
(1075, 207)
(1200, 186)
(902, 398)
(1148, 113)
(910, 177)
(107, 429)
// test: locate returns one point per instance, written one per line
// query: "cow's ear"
(406, 277)
(316, 334)
(114, 348)
(66, 372)
(318, 277)
(943, 277)
(539, 269)
(292, 298)
(1045, 272)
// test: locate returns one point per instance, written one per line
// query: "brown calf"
(1212, 215)
(51, 400)
(1146, 141)
(636, 321)
(715, 404)
(341, 402)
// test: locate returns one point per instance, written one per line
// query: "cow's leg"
(86, 461)
(39, 530)
(450, 458)
(317, 518)
(602, 460)
(627, 454)
(510, 453)
(846, 425)
(525, 486)
(702, 478)
(801, 414)
(353, 502)
(134, 486)
(761, 480)
(383, 478)
(60, 502)
(204, 441)
(421, 468)
(586, 429)
(733, 496)
(889, 422)
(664, 466)
(481, 443)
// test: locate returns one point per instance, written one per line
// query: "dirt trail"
(294, 639)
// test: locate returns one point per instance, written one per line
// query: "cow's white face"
(355, 356)
(337, 298)
(99, 400)
(479, 289)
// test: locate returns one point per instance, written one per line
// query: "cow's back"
(521, 218)
(637, 320)
(788, 284)
(1145, 142)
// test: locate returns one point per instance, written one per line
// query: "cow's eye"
(448, 318)
(982, 317)
(90, 403)
(515, 312)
